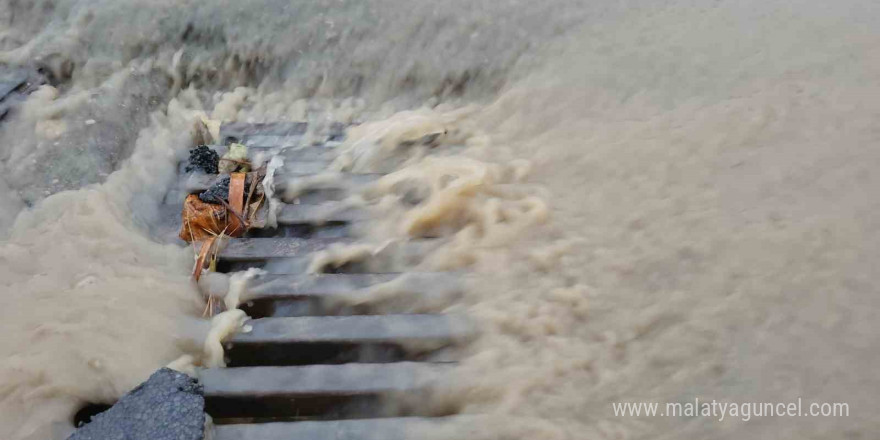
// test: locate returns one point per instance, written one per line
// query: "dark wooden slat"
(318, 190)
(199, 182)
(315, 156)
(310, 380)
(342, 339)
(312, 154)
(275, 134)
(427, 329)
(319, 214)
(294, 286)
(316, 196)
(270, 141)
(259, 249)
(302, 167)
(369, 429)
(394, 428)
(333, 189)
(305, 295)
(264, 128)
(281, 128)
(290, 215)
(249, 249)
(348, 390)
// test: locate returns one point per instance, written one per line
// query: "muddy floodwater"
(649, 201)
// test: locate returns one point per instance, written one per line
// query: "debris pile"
(218, 191)
(203, 158)
(229, 207)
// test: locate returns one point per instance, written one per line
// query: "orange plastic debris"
(203, 220)
(236, 203)
(203, 255)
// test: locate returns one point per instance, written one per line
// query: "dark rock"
(15, 84)
(168, 406)
(203, 158)
(218, 191)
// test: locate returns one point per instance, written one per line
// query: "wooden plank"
(319, 214)
(275, 134)
(196, 182)
(312, 391)
(366, 429)
(329, 285)
(250, 249)
(303, 295)
(420, 329)
(343, 339)
(300, 167)
(269, 141)
(310, 380)
(392, 428)
(238, 129)
(257, 249)
(313, 154)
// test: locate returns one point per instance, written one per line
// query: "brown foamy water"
(657, 201)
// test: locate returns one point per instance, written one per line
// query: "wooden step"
(274, 134)
(258, 249)
(280, 128)
(315, 155)
(309, 154)
(303, 286)
(318, 189)
(319, 214)
(197, 182)
(338, 293)
(301, 167)
(294, 254)
(343, 339)
(395, 428)
(292, 215)
(351, 375)
(297, 161)
(319, 391)
(266, 128)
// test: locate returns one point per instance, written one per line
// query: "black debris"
(218, 191)
(168, 406)
(203, 158)
(15, 84)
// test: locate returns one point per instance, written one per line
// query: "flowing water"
(657, 201)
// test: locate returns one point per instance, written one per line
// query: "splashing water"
(654, 201)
